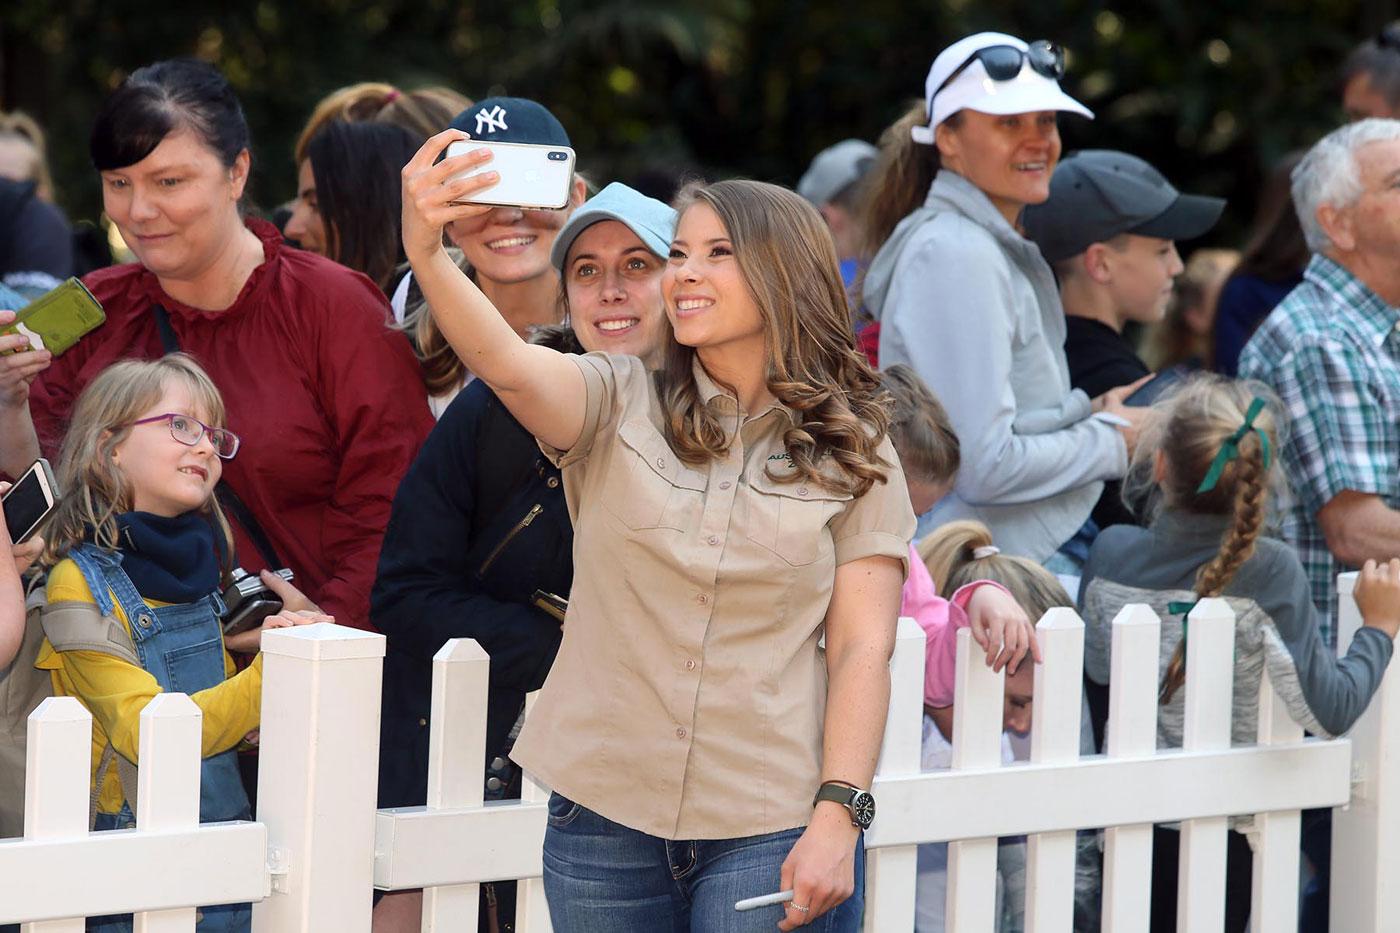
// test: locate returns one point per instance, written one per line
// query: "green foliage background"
(1210, 90)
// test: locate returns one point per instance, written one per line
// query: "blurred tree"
(1210, 91)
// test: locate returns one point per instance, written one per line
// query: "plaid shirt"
(1330, 350)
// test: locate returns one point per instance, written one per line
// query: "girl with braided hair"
(1207, 467)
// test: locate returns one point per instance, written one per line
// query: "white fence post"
(1059, 699)
(977, 720)
(891, 872)
(456, 766)
(1131, 733)
(1210, 681)
(58, 773)
(167, 795)
(318, 775)
(1274, 904)
(531, 908)
(1366, 834)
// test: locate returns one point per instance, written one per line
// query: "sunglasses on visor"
(1003, 62)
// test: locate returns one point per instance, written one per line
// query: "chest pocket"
(648, 485)
(790, 519)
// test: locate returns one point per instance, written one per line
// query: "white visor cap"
(974, 89)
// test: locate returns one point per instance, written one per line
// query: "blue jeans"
(601, 877)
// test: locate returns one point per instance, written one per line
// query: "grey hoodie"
(971, 305)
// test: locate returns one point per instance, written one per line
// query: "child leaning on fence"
(139, 534)
(958, 555)
(1209, 460)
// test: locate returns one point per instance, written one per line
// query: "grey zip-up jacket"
(972, 306)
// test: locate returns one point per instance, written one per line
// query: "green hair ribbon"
(1183, 610)
(1231, 448)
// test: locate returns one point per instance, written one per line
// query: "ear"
(1097, 263)
(580, 193)
(238, 173)
(1337, 224)
(946, 139)
(1159, 467)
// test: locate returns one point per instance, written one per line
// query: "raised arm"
(541, 387)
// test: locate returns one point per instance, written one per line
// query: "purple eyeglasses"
(189, 430)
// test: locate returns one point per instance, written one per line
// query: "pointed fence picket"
(1131, 733)
(309, 862)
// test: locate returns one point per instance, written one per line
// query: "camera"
(249, 601)
(558, 157)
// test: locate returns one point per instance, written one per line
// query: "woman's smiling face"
(707, 298)
(613, 283)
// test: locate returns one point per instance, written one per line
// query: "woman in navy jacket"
(479, 541)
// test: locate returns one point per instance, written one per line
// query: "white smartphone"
(533, 177)
(29, 501)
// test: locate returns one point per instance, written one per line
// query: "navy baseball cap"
(511, 120)
(1098, 194)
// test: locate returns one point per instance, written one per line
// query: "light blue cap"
(653, 222)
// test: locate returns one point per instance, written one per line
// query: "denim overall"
(182, 647)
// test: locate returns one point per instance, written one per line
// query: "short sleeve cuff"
(597, 392)
(873, 544)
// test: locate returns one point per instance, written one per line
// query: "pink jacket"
(940, 619)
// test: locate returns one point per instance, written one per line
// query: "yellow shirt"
(688, 695)
(115, 691)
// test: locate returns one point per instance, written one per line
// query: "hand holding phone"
(57, 320)
(30, 501)
(532, 177)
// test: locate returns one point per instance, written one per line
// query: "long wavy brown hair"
(1195, 423)
(94, 489)
(789, 264)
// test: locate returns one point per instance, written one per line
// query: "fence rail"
(319, 845)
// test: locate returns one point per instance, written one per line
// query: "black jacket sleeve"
(426, 590)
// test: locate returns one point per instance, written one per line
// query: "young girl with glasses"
(139, 533)
(1206, 467)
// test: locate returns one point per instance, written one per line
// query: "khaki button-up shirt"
(688, 696)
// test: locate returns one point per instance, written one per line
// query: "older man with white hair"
(1331, 351)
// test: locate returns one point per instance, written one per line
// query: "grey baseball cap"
(1098, 194)
(835, 168)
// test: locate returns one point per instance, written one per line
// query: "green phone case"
(58, 319)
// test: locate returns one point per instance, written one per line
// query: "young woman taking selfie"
(729, 511)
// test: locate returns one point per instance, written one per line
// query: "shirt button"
(802, 491)
(661, 462)
(422, 722)
(702, 599)
(552, 482)
(725, 485)
(712, 540)
(690, 665)
(680, 733)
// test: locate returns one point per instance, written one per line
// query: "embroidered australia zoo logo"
(489, 121)
(784, 456)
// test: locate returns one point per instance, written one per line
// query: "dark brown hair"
(900, 180)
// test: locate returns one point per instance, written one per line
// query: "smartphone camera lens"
(558, 156)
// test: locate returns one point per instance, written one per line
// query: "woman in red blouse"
(328, 399)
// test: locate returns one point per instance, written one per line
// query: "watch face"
(863, 808)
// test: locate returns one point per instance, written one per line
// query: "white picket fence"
(309, 862)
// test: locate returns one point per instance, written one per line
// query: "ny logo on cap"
(489, 121)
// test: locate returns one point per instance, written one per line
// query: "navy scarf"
(170, 560)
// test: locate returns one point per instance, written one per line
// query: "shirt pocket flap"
(802, 489)
(647, 443)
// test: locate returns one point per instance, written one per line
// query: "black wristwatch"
(861, 803)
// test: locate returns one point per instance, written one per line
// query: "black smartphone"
(30, 500)
(1156, 387)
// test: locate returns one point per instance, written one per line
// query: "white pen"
(752, 903)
